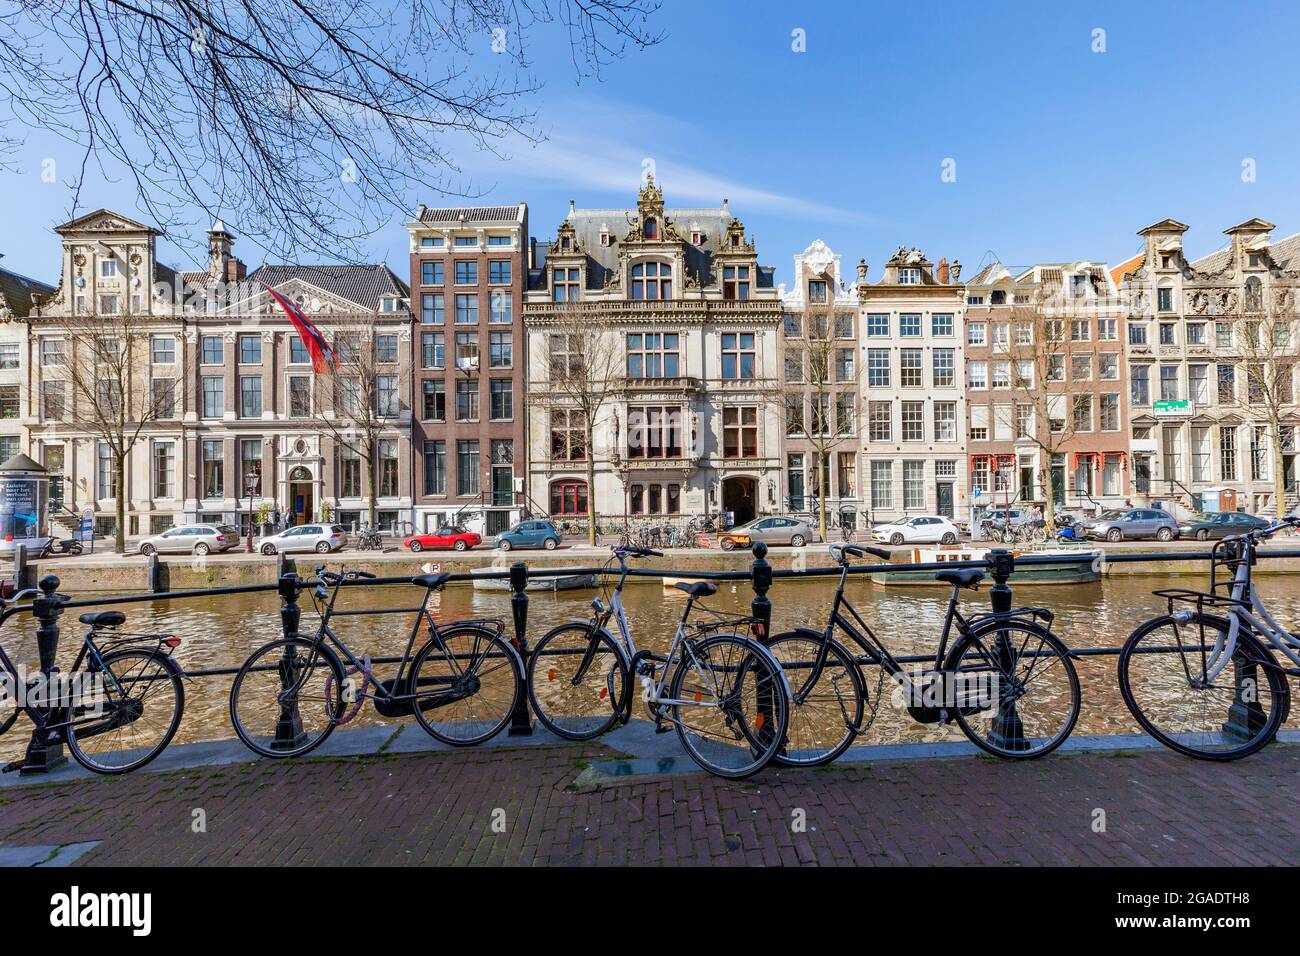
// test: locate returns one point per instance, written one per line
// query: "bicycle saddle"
(697, 589)
(963, 578)
(430, 581)
(103, 618)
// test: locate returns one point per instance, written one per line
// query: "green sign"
(1172, 406)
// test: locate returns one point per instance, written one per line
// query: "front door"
(497, 522)
(943, 498)
(738, 497)
(301, 500)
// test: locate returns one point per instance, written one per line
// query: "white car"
(306, 537)
(923, 529)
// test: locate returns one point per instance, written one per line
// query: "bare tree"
(586, 371)
(366, 396)
(1268, 349)
(113, 399)
(823, 368)
(315, 120)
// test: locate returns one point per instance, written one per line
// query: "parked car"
(192, 539)
(774, 529)
(1132, 523)
(529, 534)
(1001, 516)
(306, 537)
(922, 529)
(449, 536)
(1221, 525)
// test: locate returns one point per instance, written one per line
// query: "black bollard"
(1007, 731)
(520, 722)
(45, 750)
(289, 734)
(760, 578)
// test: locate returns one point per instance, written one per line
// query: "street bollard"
(45, 750)
(760, 578)
(22, 570)
(1007, 730)
(520, 722)
(1246, 717)
(154, 573)
(289, 734)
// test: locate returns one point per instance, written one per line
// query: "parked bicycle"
(462, 684)
(117, 708)
(1205, 680)
(369, 539)
(722, 691)
(1007, 681)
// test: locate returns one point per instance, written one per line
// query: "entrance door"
(1288, 472)
(739, 496)
(302, 502)
(498, 522)
(943, 499)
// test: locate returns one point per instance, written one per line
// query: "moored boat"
(563, 582)
(1079, 565)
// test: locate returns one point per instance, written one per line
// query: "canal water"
(221, 631)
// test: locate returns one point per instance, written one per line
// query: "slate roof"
(1285, 252)
(472, 214)
(363, 284)
(16, 292)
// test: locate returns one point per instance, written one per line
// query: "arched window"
(651, 228)
(652, 280)
(569, 497)
(1254, 295)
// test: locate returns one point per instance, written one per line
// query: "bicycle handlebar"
(637, 552)
(838, 551)
(1287, 521)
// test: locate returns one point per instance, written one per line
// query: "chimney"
(941, 272)
(220, 239)
(726, 206)
(532, 252)
(419, 211)
(236, 271)
(37, 299)
(571, 209)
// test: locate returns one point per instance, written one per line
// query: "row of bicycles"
(1206, 678)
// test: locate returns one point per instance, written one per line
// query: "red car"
(444, 538)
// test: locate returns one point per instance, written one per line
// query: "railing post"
(1007, 730)
(289, 734)
(760, 578)
(1246, 716)
(520, 722)
(45, 750)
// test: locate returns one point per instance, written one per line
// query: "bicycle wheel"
(1167, 694)
(733, 709)
(825, 717)
(468, 680)
(130, 714)
(577, 709)
(286, 697)
(1013, 688)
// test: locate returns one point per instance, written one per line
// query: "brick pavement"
(521, 806)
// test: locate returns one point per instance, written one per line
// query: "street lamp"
(251, 482)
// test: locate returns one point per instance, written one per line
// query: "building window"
(878, 368)
(162, 392)
(913, 421)
(500, 350)
(654, 431)
(388, 468)
(1083, 413)
(880, 421)
(1081, 367)
(386, 403)
(250, 466)
(297, 351)
(569, 497)
(1165, 300)
(1107, 330)
(433, 309)
(433, 349)
(1198, 384)
(945, 368)
(467, 468)
(52, 401)
(882, 485)
(1195, 333)
(945, 421)
(465, 241)
(1001, 377)
(466, 272)
(1110, 411)
(105, 472)
(502, 399)
(1167, 334)
(51, 351)
(501, 307)
(466, 401)
(652, 280)
(434, 400)
(1227, 454)
(565, 286)
(1140, 384)
(1169, 383)
(108, 306)
(1137, 333)
(349, 463)
(568, 435)
(909, 368)
(913, 484)
(653, 355)
(735, 282)
(162, 350)
(250, 350)
(250, 396)
(909, 325)
(976, 333)
(817, 291)
(435, 468)
(214, 469)
(214, 396)
(212, 350)
(299, 396)
(386, 348)
(467, 350)
(878, 325)
(794, 414)
(740, 431)
(909, 276)
(466, 309)
(979, 424)
(1227, 384)
(432, 272)
(1108, 366)
(499, 271)
(843, 365)
(977, 375)
(738, 355)
(941, 324)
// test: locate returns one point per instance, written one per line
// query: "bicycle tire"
(578, 726)
(805, 725)
(73, 735)
(1248, 650)
(330, 710)
(488, 728)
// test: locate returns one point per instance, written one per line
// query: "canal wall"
(132, 572)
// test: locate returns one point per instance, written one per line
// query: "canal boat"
(1073, 571)
(563, 582)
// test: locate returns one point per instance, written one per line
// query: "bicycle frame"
(1244, 604)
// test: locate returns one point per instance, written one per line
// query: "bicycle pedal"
(12, 766)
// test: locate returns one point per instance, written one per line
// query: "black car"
(1221, 525)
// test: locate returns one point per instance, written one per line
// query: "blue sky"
(1060, 152)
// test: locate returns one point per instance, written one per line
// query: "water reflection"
(222, 632)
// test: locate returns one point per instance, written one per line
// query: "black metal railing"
(45, 750)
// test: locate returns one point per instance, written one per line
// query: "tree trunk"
(119, 536)
(1279, 473)
(1049, 499)
(821, 494)
(591, 486)
(373, 487)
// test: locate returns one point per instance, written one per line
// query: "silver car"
(323, 538)
(192, 539)
(1133, 523)
(774, 529)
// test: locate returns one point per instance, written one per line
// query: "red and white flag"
(322, 356)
